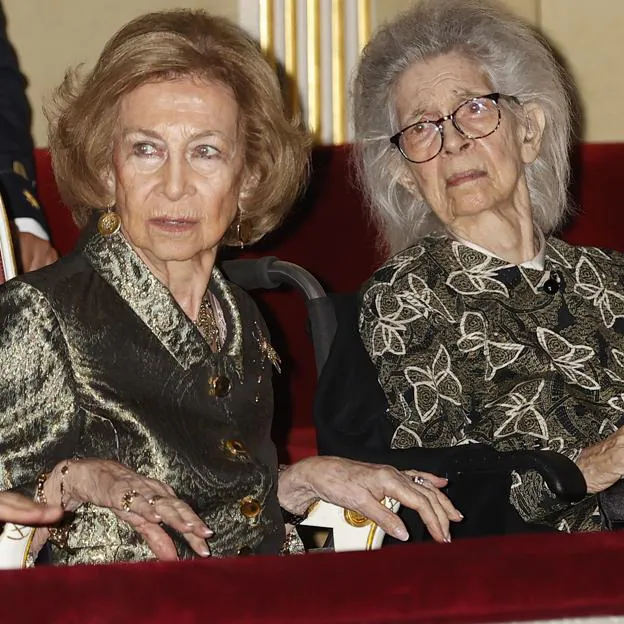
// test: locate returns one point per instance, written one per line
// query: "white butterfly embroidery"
(590, 286)
(570, 359)
(433, 383)
(473, 327)
(477, 274)
(523, 417)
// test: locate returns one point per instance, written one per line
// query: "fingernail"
(460, 514)
(401, 534)
(158, 517)
(205, 552)
(207, 532)
(447, 539)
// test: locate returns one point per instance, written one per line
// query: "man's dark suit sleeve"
(17, 166)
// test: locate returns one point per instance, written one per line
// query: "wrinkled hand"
(104, 483)
(603, 463)
(35, 252)
(361, 487)
(21, 510)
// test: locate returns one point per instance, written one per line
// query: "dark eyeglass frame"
(439, 124)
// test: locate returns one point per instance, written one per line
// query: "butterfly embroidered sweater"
(470, 348)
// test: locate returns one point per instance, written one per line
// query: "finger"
(430, 512)
(198, 544)
(447, 506)
(386, 519)
(424, 501)
(451, 511)
(439, 482)
(179, 516)
(157, 540)
(438, 510)
(21, 510)
(44, 516)
(139, 506)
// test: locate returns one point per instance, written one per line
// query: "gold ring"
(127, 498)
(152, 500)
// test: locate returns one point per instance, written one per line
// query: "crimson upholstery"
(503, 579)
(499, 579)
(328, 234)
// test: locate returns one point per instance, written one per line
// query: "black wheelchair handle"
(269, 272)
(562, 475)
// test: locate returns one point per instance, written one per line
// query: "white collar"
(537, 263)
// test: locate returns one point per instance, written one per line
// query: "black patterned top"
(470, 348)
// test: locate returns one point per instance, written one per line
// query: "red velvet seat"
(329, 234)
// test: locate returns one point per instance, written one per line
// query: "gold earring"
(109, 222)
(242, 230)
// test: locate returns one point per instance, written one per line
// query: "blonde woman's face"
(177, 168)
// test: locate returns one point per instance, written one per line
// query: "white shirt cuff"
(30, 226)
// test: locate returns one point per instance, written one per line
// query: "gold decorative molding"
(267, 30)
(313, 37)
(338, 62)
(290, 53)
(317, 41)
(364, 22)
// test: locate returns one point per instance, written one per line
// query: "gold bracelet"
(58, 535)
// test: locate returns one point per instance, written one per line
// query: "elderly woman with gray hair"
(483, 327)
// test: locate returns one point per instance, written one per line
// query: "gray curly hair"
(515, 59)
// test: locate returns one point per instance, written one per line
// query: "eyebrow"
(155, 135)
(462, 96)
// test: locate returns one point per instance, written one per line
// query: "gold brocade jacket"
(98, 360)
(469, 348)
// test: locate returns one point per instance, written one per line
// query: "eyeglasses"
(475, 118)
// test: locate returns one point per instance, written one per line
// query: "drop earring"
(242, 230)
(109, 221)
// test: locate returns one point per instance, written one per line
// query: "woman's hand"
(21, 510)
(35, 252)
(603, 463)
(361, 487)
(148, 503)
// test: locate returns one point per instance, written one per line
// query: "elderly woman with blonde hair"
(482, 325)
(135, 381)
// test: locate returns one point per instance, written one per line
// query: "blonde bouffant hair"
(170, 45)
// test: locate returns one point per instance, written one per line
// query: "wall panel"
(51, 35)
(589, 35)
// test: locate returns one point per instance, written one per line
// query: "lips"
(173, 223)
(457, 179)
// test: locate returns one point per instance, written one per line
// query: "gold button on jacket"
(250, 508)
(235, 448)
(219, 386)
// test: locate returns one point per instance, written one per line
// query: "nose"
(454, 140)
(176, 177)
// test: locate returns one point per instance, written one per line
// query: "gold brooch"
(266, 348)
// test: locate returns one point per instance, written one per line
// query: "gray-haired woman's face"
(468, 176)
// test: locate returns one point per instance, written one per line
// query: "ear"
(531, 132)
(248, 186)
(108, 177)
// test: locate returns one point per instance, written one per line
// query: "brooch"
(267, 350)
